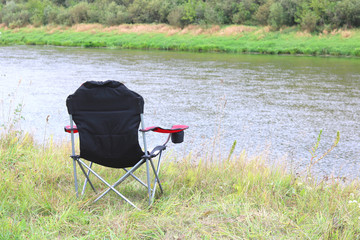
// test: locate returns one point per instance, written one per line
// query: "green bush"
(116, 14)
(190, 11)
(309, 21)
(122, 16)
(242, 15)
(1, 7)
(15, 15)
(20, 19)
(347, 13)
(211, 16)
(63, 17)
(225, 10)
(58, 2)
(263, 12)
(175, 17)
(50, 14)
(108, 13)
(276, 16)
(36, 10)
(137, 11)
(153, 11)
(96, 11)
(321, 8)
(290, 7)
(159, 10)
(245, 12)
(79, 13)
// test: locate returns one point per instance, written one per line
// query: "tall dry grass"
(159, 28)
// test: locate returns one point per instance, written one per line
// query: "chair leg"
(86, 175)
(157, 177)
(157, 180)
(86, 179)
(148, 180)
(75, 178)
(136, 178)
(158, 169)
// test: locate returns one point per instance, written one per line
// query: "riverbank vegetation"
(309, 15)
(231, 39)
(241, 197)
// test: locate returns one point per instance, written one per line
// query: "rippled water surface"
(267, 104)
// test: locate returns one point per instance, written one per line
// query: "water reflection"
(266, 103)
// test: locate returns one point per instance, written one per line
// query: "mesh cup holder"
(177, 137)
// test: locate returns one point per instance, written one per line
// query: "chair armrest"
(173, 129)
(68, 129)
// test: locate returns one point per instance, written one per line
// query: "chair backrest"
(107, 115)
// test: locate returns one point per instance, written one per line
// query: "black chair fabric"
(107, 115)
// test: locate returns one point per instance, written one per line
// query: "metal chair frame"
(147, 158)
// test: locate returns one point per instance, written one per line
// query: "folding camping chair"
(107, 116)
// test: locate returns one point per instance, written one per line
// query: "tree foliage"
(310, 15)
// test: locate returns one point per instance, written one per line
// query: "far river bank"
(227, 39)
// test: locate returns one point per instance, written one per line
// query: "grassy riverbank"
(232, 39)
(236, 199)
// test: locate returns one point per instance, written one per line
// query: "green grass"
(258, 40)
(239, 198)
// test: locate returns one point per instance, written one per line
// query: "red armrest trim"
(173, 129)
(68, 129)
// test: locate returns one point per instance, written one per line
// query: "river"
(270, 105)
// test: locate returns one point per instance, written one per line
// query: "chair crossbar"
(147, 158)
(136, 178)
(88, 174)
(126, 175)
(156, 176)
(130, 173)
(107, 184)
